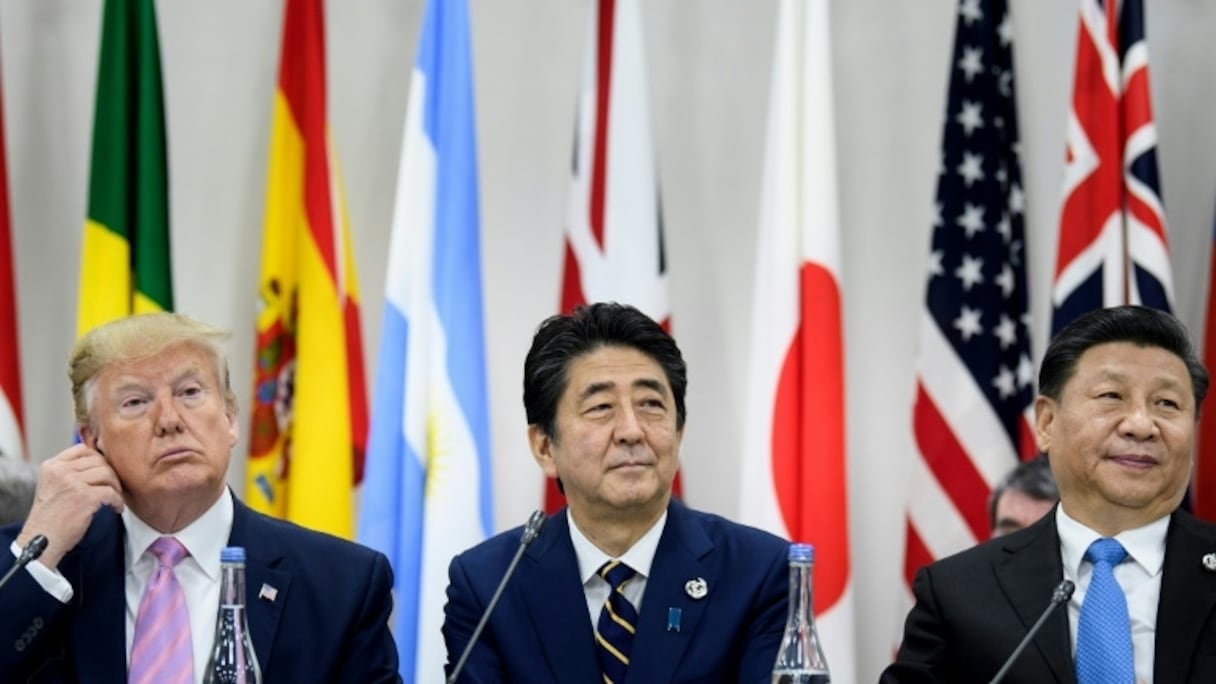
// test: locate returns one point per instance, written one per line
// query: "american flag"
(975, 378)
(1112, 248)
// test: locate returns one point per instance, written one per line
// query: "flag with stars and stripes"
(975, 378)
(1112, 246)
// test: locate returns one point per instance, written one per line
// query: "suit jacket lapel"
(548, 581)
(98, 630)
(657, 651)
(1188, 595)
(1028, 576)
(266, 588)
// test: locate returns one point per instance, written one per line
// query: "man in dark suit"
(703, 599)
(157, 420)
(1119, 393)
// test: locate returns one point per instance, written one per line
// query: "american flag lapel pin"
(268, 593)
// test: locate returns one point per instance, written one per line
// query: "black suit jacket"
(540, 632)
(327, 623)
(973, 608)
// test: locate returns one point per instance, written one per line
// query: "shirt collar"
(640, 556)
(1145, 545)
(204, 538)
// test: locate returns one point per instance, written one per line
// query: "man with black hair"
(625, 579)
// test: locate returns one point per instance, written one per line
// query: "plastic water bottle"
(800, 658)
(232, 658)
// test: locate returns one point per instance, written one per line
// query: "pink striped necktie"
(162, 652)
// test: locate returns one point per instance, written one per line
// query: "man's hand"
(72, 486)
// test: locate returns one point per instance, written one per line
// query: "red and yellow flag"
(309, 423)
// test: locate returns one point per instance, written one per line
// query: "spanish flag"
(309, 423)
(124, 265)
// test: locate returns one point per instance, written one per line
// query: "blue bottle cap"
(232, 554)
(802, 553)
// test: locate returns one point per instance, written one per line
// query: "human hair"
(139, 337)
(1138, 325)
(17, 481)
(1032, 478)
(561, 339)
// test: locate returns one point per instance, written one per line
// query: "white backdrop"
(710, 63)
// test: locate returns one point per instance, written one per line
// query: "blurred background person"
(17, 480)
(1023, 496)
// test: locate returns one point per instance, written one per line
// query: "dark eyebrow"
(594, 388)
(647, 383)
(651, 383)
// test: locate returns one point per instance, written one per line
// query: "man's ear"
(542, 450)
(1044, 414)
(234, 428)
(88, 436)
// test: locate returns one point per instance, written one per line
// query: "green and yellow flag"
(309, 422)
(124, 265)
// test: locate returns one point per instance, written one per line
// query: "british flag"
(614, 231)
(975, 377)
(1113, 248)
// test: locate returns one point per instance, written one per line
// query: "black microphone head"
(34, 548)
(1063, 591)
(532, 527)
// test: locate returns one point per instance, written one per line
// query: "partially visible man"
(625, 582)
(1025, 494)
(17, 478)
(136, 516)
(1119, 394)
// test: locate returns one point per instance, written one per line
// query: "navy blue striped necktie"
(617, 624)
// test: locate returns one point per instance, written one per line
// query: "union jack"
(1113, 248)
(614, 231)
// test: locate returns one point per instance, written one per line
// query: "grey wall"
(710, 69)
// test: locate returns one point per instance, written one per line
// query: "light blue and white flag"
(427, 489)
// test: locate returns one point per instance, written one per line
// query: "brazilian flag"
(124, 266)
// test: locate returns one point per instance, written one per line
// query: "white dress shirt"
(1139, 576)
(198, 574)
(590, 558)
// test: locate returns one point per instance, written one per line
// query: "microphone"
(32, 550)
(1061, 594)
(531, 532)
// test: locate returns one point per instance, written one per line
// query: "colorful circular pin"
(696, 588)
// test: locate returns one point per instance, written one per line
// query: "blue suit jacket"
(540, 631)
(327, 623)
(972, 609)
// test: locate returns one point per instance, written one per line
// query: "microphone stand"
(531, 531)
(1062, 593)
(32, 550)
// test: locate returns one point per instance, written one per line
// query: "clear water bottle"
(232, 658)
(800, 658)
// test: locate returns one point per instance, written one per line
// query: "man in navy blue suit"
(701, 599)
(157, 420)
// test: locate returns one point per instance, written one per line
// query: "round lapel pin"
(1209, 562)
(696, 588)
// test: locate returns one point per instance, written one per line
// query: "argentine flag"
(427, 487)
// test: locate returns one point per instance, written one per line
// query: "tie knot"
(168, 551)
(1106, 550)
(616, 573)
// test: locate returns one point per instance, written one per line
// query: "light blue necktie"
(1104, 631)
